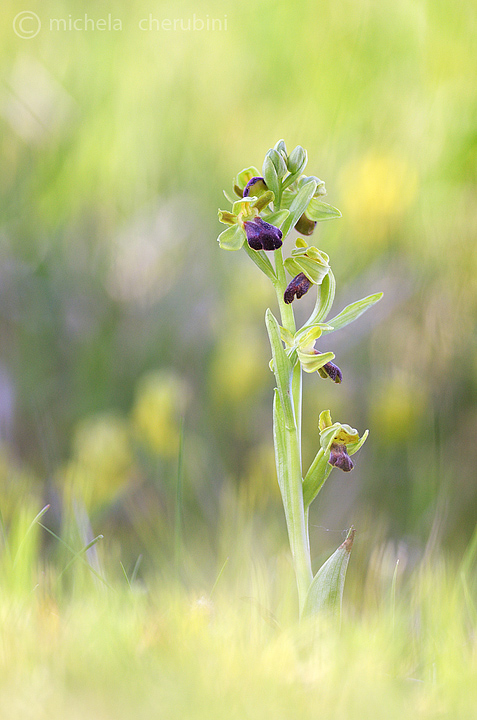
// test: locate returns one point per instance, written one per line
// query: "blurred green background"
(119, 316)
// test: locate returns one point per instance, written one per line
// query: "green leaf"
(233, 238)
(318, 210)
(311, 362)
(298, 206)
(352, 312)
(282, 369)
(326, 589)
(279, 442)
(270, 175)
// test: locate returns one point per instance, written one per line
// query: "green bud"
(297, 160)
(281, 148)
(278, 162)
(269, 173)
(233, 238)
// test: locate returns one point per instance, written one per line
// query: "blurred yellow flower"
(160, 401)
(237, 369)
(377, 189)
(101, 459)
(396, 410)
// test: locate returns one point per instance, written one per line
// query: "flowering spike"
(298, 287)
(261, 235)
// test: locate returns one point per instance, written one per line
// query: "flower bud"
(281, 148)
(297, 159)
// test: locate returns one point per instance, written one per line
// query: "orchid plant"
(266, 207)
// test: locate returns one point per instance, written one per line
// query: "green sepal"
(298, 206)
(276, 218)
(233, 238)
(297, 160)
(318, 211)
(229, 197)
(354, 311)
(282, 369)
(304, 337)
(244, 176)
(353, 448)
(314, 270)
(311, 362)
(270, 175)
(326, 590)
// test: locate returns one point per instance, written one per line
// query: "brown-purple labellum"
(333, 372)
(298, 287)
(305, 226)
(261, 235)
(339, 457)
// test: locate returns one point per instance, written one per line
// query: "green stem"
(297, 522)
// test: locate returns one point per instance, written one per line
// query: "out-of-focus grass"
(74, 646)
